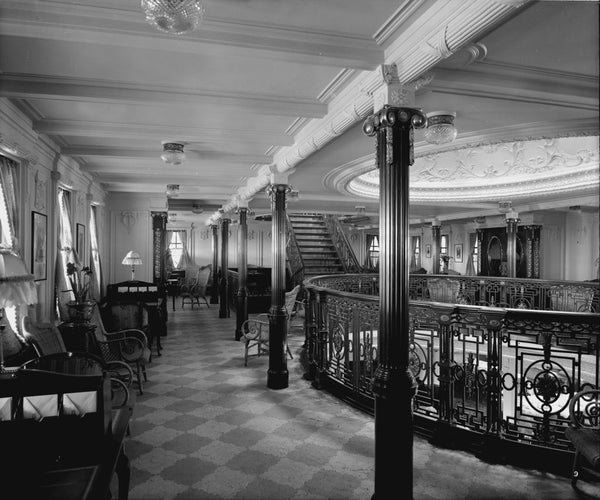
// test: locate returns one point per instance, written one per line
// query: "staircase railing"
(342, 245)
(294, 256)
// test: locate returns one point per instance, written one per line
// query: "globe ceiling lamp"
(175, 17)
(173, 153)
(440, 127)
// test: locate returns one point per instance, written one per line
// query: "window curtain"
(96, 284)
(169, 264)
(65, 254)
(9, 237)
(369, 242)
(186, 259)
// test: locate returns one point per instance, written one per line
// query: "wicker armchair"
(128, 345)
(255, 331)
(584, 433)
(46, 340)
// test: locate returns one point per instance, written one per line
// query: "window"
(95, 254)
(444, 244)
(65, 250)
(416, 252)
(373, 252)
(176, 248)
(475, 253)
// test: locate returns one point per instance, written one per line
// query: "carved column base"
(394, 392)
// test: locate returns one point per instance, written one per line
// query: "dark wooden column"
(242, 291)
(277, 375)
(435, 247)
(214, 293)
(394, 385)
(224, 283)
(512, 220)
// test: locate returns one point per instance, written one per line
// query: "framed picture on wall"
(80, 242)
(39, 245)
(428, 251)
(458, 252)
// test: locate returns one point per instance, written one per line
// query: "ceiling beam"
(78, 128)
(195, 154)
(22, 86)
(128, 28)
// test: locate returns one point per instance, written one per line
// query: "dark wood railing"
(494, 374)
(341, 244)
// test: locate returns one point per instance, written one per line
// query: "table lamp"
(16, 288)
(132, 259)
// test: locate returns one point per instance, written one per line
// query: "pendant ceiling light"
(440, 127)
(176, 17)
(173, 153)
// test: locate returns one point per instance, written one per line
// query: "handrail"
(341, 244)
(294, 256)
(508, 374)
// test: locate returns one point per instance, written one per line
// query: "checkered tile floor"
(207, 427)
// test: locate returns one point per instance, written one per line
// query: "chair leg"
(139, 378)
(287, 348)
(246, 355)
(575, 470)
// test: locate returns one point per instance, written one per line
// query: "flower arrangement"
(80, 281)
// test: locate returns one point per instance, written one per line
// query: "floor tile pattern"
(207, 427)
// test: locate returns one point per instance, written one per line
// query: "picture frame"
(458, 252)
(80, 241)
(428, 251)
(39, 245)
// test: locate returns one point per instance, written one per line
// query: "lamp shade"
(132, 259)
(16, 284)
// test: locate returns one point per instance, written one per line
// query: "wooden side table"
(79, 337)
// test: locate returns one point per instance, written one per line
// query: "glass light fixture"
(172, 190)
(173, 153)
(175, 17)
(440, 127)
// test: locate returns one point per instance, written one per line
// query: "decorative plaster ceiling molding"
(447, 29)
(356, 101)
(16, 150)
(508, 170)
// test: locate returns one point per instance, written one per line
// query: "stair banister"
(342, 245)
(294, 255)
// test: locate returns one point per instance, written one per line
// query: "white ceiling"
(285, 85)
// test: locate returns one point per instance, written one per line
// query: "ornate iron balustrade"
(501, 373)
(341, 244)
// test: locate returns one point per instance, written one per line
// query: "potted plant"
(80, 309)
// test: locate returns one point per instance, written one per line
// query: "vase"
(80, 312)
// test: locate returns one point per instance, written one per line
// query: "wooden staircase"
(315, 245)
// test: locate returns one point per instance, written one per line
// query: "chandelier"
(176, 17)
(440, 127)
(173, 153)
